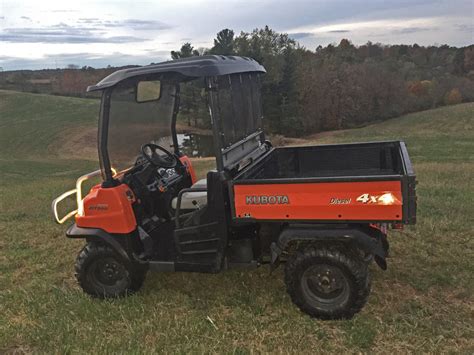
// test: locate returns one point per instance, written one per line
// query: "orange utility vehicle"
(323, 210)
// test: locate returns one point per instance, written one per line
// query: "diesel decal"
(267, 200)
(339, 201)
(99, 207)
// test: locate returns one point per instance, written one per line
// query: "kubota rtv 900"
(323, 210)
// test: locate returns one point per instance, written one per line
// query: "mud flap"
(275, 252)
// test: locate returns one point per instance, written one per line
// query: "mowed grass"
(423, 303)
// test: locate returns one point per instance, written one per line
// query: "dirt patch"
(78, 143)
(183, 128)
(279, 140)
(81, 142)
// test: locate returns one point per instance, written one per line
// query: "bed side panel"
(345, 201)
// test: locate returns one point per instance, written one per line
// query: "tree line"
(340, 85)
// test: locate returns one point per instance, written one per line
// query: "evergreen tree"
(187, 50)
(223, 43)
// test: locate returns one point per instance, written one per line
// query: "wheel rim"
(325, 286)
(107, 273)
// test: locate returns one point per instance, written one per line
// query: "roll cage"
(232, 85)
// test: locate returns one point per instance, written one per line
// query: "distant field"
(423, 303)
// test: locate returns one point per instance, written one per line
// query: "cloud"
(85, 56)
(136, 24)
(63, 33)
(300, 35)
(7, 57)
(64, 11)
(88, 20)
(95, 60)
(390, 24)
(469, 28)
(67, 39)
(85, 30)
(414, 29)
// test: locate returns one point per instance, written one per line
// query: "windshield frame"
(104, 120)
(227, 157)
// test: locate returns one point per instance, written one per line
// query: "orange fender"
(109, 209)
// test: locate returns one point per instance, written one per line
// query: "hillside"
(31, 123)
(423, 302)
(35, 125)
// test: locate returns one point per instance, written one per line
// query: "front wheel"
(102, 273)
(328, 282)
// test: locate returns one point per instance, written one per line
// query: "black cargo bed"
(321, 161)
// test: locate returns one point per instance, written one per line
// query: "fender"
(96, 234)
(366, 238)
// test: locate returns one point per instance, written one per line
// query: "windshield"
(133, 123)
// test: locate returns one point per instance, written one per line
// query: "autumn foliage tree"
(453, 97)
(343, 85)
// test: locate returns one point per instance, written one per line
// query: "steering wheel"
(150, 154)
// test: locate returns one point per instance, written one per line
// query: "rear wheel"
(328, 282)
(102, 273)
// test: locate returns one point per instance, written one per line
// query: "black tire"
(328, 282)
(102, 273)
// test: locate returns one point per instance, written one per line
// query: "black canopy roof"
(193, 67)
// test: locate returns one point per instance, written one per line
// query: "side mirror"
(148, 91)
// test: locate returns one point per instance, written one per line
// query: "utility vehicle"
(323, 210)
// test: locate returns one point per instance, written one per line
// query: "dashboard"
(156, 186)
(164, 178)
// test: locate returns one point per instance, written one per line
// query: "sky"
(37, 34)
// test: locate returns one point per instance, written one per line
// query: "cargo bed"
(362, 182)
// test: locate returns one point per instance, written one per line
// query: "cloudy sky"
(38, 34)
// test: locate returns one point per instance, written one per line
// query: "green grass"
(423, 303)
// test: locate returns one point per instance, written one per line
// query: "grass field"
(423, 303)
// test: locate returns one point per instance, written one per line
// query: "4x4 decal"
(385, 199)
